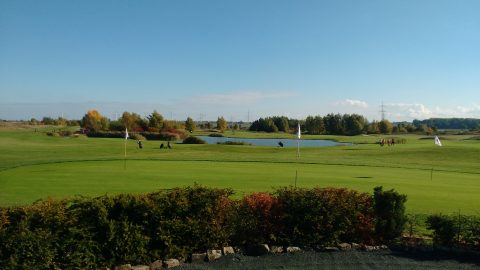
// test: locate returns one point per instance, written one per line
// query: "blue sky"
(204, 59)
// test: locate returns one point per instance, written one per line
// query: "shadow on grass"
(429, 254)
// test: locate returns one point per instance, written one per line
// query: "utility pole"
(382, 111)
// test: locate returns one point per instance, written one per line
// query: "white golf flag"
(299, 133)
(126, 134)
(437, 141)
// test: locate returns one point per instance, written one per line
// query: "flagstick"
(298, 148)
(125, 159)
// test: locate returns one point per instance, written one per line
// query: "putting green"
(446, 192)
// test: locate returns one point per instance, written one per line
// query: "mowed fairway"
(35, 166)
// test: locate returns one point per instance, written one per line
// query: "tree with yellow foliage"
(94, 121)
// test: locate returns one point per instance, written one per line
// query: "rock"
(228, 250)
(368, 248)
(240, 250)
(384, 247)
(257, 250)
(124, 267)
(197, 257)
(344, 246)
(277, 249)
(140, 267)
(170, 263)
(330, 249)
(156, 265)
(355, 246)
(213, 254)
(293, 249)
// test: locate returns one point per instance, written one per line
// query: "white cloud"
(409, 111)
(242, 97)
(352, 103)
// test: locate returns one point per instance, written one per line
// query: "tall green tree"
(334, 124)
(373, 127)
(385, 127)
(354, 124)
(60, 121)
(190, 124)
(281, 122)
(264, 124)
(314, 125)
(134, 122)
(155, 120)
(221, 124)
(48, 121)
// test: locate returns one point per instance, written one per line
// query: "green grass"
(34, 166)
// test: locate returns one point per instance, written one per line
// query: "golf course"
(436, 179)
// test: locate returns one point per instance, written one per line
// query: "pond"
(273, 142)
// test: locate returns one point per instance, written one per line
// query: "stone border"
(250, 250)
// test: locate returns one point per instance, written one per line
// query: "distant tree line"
(271, 124)
(449, 123)
(354, 124)
(94, 121)
(154, 122)
(60, 121)
(331, 124)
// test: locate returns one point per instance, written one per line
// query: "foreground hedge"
(455, 230)
(110, 230)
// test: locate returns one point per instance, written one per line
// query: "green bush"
(233, 143)
(164, 135)
(106, 134)
(29, 235)
(320, 217)
(184, 220)
(24, 248)
(170, 135)
(193, 140)
(60, 133)
(137, 137)
(390, 213)
(454, 230)
(444, 230)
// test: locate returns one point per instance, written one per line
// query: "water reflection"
(273, 142)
